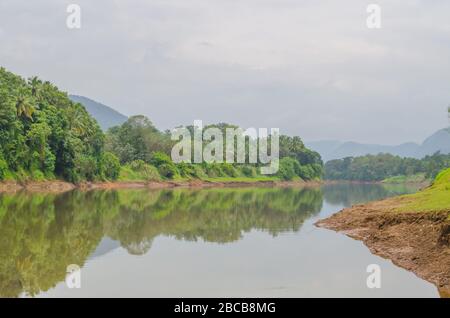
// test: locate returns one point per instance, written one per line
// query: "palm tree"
(24, 106)
(76, 119)
(36, 85)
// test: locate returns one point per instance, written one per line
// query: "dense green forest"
(45, 136)
(385, 166)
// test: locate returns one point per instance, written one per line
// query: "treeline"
(143, 151)
(383, 166)
(44, 135)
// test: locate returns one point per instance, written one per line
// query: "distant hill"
(105, 115)
(332, 149)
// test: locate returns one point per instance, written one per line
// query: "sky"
(310, 68)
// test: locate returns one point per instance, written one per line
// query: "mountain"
(105, 115)
(333, 149)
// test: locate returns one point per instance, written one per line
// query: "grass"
(432, 199)
(417, 178)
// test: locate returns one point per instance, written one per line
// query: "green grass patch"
(432, 199)
(417, 178)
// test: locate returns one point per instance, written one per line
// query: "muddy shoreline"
(416, 241)
(62, 186)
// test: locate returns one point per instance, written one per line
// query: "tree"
(110, 166)
(24, 106)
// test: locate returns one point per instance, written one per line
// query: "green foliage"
(165, 165)
(288, 168)
(110, 166)
(138, 170)
(248, 171)
(435, 198)
(3, 168)
(44, 134)
(137, 139)
(229, 170)
(384, 166)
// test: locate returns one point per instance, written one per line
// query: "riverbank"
(413, 231)
(62, 186)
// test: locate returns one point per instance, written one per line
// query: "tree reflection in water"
(43, 233)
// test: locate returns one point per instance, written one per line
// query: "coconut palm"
(76, 118)
(24, 106)
(36, 85)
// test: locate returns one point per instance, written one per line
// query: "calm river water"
(227, 242)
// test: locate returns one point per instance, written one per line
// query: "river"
(224, 242)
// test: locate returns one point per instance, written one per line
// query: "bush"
(199, 172)
(150, 173)
(3, 168)
(229, 170)
(109, 166)
(168, 170)
(213, 170)
(165, 165)
(143, 171)
(38, 175)
(185, 170)
(87, 168)
(160, 158)
(288, 167)
(248, 171)
(137, 165)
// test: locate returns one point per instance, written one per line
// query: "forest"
(385, 167)
(46, 136)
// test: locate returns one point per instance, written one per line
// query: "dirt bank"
(419, 242)
(61, 186)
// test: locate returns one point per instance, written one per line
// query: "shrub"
(38, 175)
(185, 170)
(199, 172)
(288, 167)
(213, 170)
(137, 165)
(168, 170)
(3, 168)
(165, 165)
(87, 168)
(150, 173)
(109, 166)
(248, 171)
(229, 170)
(139, 170)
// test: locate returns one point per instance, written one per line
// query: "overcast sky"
(311, 68)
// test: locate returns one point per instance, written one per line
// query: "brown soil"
(61, 186)
(418, 242)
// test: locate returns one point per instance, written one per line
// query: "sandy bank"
(61, 186)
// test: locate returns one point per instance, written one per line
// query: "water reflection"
(43, 233)
(347, 194)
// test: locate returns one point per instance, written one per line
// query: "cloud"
(310, 68)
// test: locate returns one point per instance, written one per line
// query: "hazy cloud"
(311, 68)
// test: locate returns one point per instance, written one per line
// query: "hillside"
(105, 115)
(332, 149)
